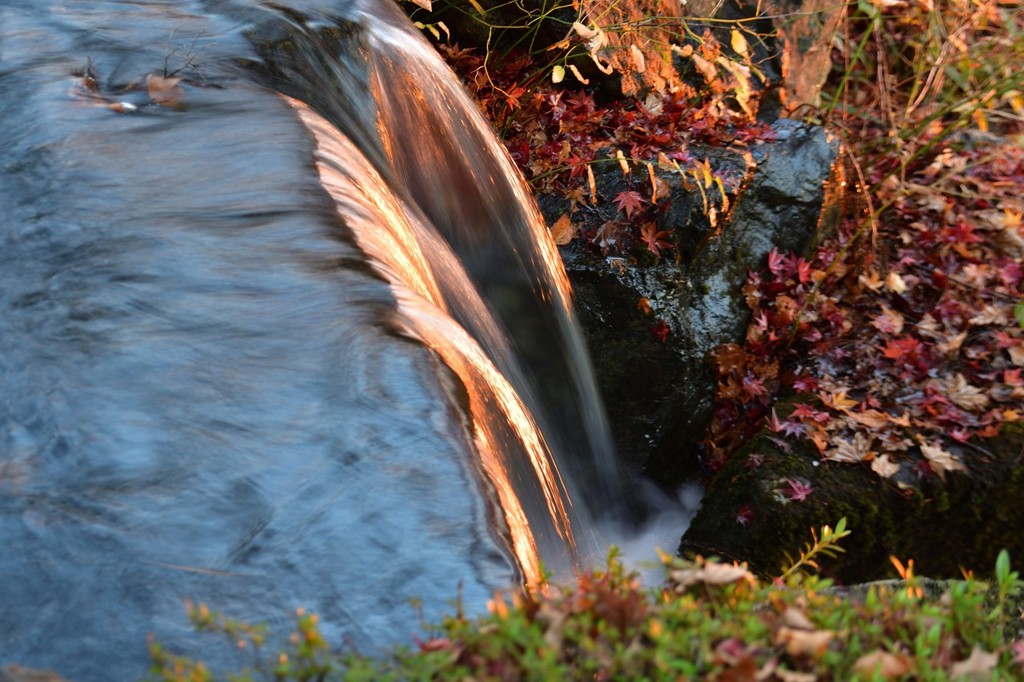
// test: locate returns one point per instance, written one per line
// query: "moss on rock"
(943, 525)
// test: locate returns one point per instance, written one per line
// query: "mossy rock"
(945, 526)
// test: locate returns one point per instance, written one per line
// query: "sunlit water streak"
(391, 234)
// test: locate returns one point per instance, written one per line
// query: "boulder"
(650, 322)
(960, 521)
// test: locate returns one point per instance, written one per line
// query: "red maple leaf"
(661, 331)
(796, 490)
(629, 202)
(744, 515)
(804, 271)
(805, 411)
(653, 239)
(899, 349)
(780, 264)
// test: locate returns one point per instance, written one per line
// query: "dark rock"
(961, 522)
(650, 323)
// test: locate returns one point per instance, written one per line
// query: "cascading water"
(216, 305)
(470, 245)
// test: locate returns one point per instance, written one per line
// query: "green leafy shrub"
(707, 620)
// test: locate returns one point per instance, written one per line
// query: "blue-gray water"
(208, 389)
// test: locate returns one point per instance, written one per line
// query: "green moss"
(943, 525)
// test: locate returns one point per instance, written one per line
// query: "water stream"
(285, 332)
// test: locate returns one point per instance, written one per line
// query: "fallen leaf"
(895, 283)
(963, 394)
(803, 642)
(941, 460)
(711, 574)
(883, 664)
(629, 202)
(795, 618)
(978, 666)
(796, 490)
(990, 315)
(883, 467)
(851, 451)
(563, 230)
(167, 92)
(871, 280)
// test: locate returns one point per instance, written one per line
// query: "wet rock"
(943, 525)
(650, 322)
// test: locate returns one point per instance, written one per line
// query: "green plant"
(707, 620)
(824, 544)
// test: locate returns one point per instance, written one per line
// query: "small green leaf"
(557, 73)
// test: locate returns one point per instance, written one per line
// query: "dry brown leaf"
(941, 460)
(883, 664)
(963, 394)
(873, 419)
(167, 92)
(712, 574)
(851, 451)
(795, 618)
(950, 344)
(811, 643)
(889, 322)
(990, 314)
(883, 467)
(794, 676)
(978, 666)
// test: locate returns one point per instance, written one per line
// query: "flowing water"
(285, 332)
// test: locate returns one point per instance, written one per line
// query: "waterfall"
(446, 218)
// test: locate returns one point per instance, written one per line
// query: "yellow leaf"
(557, 73)
(739, 43)
(623, 164)
(578, 75)
(592, 183)
(480, 10)
(895, 283)
(836, 398)
(425, 4)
